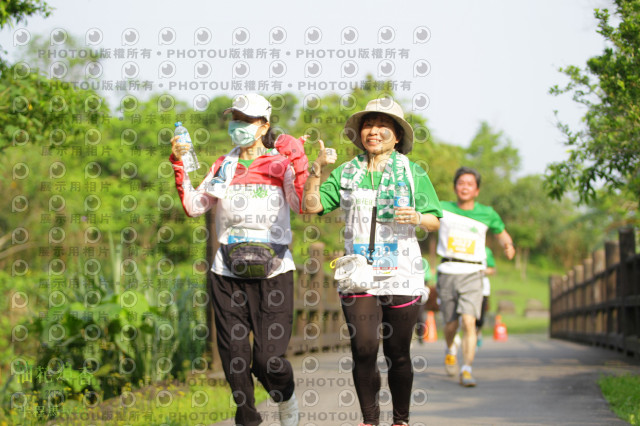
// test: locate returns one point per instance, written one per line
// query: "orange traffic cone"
(431, 334)
(499, 330)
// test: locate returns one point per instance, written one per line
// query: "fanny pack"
(353, 273)
(253, 260)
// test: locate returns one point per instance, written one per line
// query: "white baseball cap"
(251, 104)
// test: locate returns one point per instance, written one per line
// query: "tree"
(491, 154)
(607, 151)
(43, 125)
(16, 11)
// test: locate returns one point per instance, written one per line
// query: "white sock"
(452, 350)
(465, 368)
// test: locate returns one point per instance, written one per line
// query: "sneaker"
(479, 341)
(289, 412)
(451, 364)
(467, 380)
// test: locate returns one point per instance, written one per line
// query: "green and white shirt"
(462, 236)
(397, 261)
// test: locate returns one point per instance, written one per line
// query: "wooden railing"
(598, 302)
(318, 315)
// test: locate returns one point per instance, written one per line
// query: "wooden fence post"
(589, 314)
(564, 327)
(587, 265)
(571, 301)
(555, 288)
(612, 258)
(627, 313)
(579, 304)
(599, 266)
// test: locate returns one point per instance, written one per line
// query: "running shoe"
(467, 380)
(451, 364)
(288, 411)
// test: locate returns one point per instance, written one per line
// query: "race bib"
(385, 257)
(461, 245)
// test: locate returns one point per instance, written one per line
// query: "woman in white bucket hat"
(252, 189)
(364, 189)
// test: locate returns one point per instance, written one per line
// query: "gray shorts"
(460, 294)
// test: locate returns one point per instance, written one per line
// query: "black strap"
(372, 235)
(449, 259)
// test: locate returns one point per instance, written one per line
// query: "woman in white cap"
(364, 189)
(251, 277)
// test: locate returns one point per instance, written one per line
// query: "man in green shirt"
(461, 243)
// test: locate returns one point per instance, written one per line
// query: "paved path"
(526, 380)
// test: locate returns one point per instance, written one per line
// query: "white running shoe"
(289, 411)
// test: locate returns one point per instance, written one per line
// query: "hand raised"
(326, 155)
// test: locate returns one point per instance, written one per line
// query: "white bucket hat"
(385, 106)
(251, 104)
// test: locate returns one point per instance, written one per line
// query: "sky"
(455, 63)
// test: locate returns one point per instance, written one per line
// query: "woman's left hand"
(407, 216)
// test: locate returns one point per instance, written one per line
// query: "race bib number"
(385, 257)
(461, 245)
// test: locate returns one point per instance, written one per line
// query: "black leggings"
(398, 316)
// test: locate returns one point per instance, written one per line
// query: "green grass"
(203, 402)
(517, 324)
(623, 395)
(508, 284)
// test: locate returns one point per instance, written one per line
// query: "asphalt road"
(527, 380)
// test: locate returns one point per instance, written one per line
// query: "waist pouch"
(353, 273)
(253, 260)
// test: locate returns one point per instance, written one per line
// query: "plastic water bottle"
(189, 160)
(401, 199)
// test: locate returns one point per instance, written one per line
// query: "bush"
(96, 336)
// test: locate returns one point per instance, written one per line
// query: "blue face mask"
(243, 134)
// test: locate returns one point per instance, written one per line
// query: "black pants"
(264, 307)
(364, 315)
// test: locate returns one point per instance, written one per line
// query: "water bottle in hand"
(401, 199)
(189, 160)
